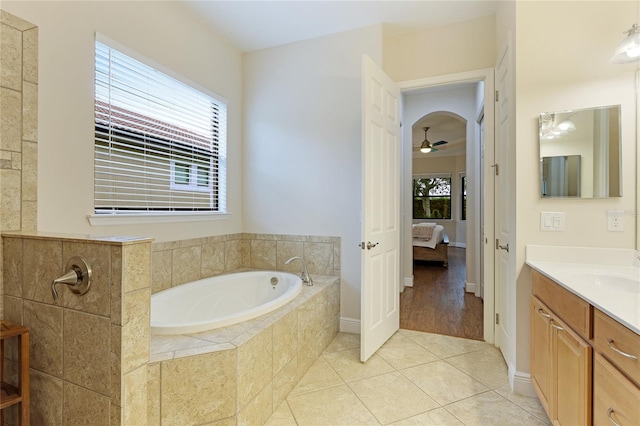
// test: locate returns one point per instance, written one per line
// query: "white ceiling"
(254, 25)
(260, 24)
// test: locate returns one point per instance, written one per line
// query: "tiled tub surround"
(88, 353)
(241, 373)
(18, 125)
(179, 262)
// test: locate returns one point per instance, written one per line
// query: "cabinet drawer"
(614, 396)
(574, 311)
(609, 336)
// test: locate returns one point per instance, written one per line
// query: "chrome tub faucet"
(306, 278)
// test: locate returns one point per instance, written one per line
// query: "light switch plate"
(552, 221)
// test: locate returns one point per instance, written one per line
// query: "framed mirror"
(580, 153)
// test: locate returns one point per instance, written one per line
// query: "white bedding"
(436, 237)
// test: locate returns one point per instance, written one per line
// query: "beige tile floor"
(414, 379)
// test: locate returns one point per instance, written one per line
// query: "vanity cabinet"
(561, 357)
(585, 365)
(616, 392)
(560, 367)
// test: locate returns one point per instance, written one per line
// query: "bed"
(433, 249)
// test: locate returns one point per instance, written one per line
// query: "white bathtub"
(220, 301)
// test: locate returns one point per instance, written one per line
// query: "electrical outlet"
(615, 220)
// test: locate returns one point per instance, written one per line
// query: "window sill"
(142, 218)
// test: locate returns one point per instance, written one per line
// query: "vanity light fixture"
(426, 145)
(629, 49)
(567, 126)
(550, 130)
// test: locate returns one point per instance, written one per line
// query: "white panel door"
(380, 261)
(479, 292)
(503, 182)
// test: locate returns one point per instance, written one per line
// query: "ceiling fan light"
(425, 148)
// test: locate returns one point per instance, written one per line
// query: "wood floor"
(437, 302)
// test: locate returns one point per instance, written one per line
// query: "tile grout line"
(489, 388)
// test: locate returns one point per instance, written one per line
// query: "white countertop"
(608, 279)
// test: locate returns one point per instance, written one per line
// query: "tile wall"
(240, 374)
(87, 353)
(18, 125)
(179, 262)
(90, 354)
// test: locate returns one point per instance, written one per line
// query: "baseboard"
(408, 282)
(522, 384)
(469, 287)
(349, 325)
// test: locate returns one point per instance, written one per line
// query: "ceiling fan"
(428, 146)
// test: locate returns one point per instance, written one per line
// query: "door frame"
(485, 241)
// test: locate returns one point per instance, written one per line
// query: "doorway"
(438, 303)
(465, 276)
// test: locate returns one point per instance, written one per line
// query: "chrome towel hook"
(77, 277)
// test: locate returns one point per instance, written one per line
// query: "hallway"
(437, 302)
(415, 378)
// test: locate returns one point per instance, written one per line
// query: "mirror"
(637, 212)
(580, 153)
(561, 176)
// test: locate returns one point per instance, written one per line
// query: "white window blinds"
(160, 145)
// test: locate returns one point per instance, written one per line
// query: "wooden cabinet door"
(541, 352)
(571, 369)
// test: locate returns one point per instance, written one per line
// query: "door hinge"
(495, 166)
(497, 319)
(497, 97)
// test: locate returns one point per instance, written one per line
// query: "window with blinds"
(160, 145)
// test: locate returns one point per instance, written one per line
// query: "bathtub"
(221, 301)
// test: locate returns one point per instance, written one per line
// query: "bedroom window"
(463, 196)
(160, 144)
(432, 197)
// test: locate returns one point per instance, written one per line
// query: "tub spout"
(306, 278)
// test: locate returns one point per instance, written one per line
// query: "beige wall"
(164, 33)
(450, 49)
(562, 65)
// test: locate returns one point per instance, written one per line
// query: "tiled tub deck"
(241, 373)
